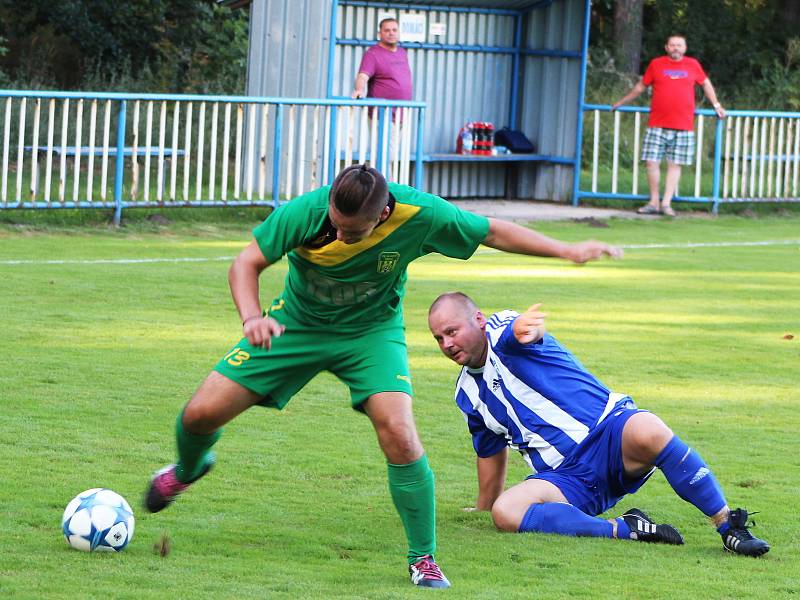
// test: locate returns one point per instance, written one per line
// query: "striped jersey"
(535, 398)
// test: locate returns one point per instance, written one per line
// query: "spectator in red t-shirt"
(670, 129)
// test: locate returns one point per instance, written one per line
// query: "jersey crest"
(387, 261)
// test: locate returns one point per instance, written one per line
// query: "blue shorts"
(592, 478)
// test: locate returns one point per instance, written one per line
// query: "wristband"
(251, 318)
(716, 105)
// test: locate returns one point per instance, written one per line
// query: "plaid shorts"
(678, 145)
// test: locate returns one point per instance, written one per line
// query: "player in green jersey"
(348, 247)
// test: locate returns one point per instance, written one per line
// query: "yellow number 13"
(236, 357)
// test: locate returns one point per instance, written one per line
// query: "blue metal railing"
(753, 156)
(189, 140)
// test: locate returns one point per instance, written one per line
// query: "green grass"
(98, 359)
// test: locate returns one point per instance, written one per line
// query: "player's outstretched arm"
(243, 280)
(529, 326)
(511, 237)
(491, 479)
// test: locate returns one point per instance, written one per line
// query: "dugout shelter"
(515, 63)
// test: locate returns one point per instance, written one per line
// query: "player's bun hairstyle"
(360, 190)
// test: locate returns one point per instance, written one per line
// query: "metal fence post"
(576, 169)
(276, 157)
(333, 151)
(379, 159)
(120, 164)
(717, 165)
(418, 158)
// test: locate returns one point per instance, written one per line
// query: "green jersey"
(353, 286)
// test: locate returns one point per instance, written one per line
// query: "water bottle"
(466, 139)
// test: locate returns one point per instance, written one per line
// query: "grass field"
(99, 355)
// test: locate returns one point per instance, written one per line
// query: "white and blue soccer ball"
(98, 519)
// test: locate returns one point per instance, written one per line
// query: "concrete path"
(525, 211)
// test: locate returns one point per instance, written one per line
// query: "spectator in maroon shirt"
(384, 70)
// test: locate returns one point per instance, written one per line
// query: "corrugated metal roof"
(495, 4)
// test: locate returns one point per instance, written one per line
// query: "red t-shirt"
(673, 84)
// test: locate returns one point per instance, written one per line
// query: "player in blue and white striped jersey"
(587, 446)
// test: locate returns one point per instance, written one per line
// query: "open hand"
(529, 326)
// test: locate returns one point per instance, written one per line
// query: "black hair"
(360, 190)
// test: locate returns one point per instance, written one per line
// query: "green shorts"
(368, 362)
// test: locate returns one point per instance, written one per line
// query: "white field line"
(714, 244)
(116, 261)
(136, 261)
(684, 245)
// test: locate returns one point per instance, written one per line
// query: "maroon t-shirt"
(389, 73)
(673, 84)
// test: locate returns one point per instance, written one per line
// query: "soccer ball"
(98, 519)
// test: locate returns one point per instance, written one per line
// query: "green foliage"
(3, 51)
(745, 46)
(98, 358)
(779, 88)
(145, 45)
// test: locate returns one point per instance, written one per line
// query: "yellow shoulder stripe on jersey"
(338, 252)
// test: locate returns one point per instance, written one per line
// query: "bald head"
(459, 327)
(453, 302)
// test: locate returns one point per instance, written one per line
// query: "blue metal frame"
(717, 165)
(276, 157)
(576, 174)
(512, 108)
(120, 151)
(210, 98)
(435, 46)
(332, 138)
(119, 166)
(332, 47)
(432, 7)
(719, 132)
(551, 53)
(380, 159)
(517, 51)
(548, 158)
(418, 168)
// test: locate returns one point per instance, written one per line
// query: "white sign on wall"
(438, 29)
(412, 27)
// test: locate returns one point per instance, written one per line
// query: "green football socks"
(412, 489)
(193, 451)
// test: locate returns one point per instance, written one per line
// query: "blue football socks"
(690, 477)
(565, 519)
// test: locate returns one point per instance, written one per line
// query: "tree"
(789, 13)
(137, 45)
(628, 34)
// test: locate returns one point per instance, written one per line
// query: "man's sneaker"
(426, 573)
(644, 529)
(738, 538)
(165, 487)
